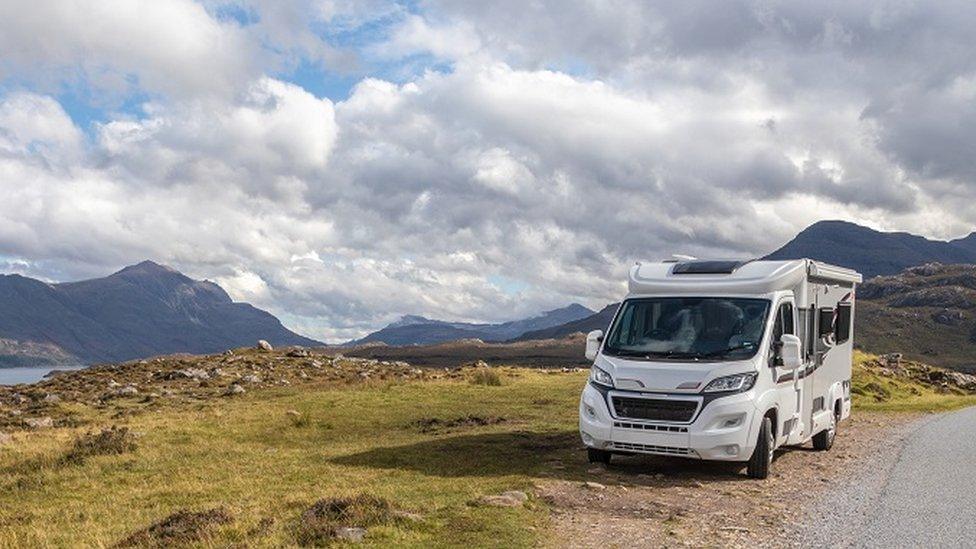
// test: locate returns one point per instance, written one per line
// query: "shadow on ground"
(553, 454)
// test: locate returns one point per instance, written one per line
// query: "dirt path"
(647, 501)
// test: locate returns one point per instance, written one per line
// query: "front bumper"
(723, 429)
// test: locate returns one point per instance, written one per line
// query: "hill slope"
(417, 330)
(928, 313)
(142, 310)
(871, 252)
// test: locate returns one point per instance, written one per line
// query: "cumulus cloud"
(496, 160)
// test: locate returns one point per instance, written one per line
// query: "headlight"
(737, 383)
(599, 376)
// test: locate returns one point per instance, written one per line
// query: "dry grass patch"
(434, 424)
(320, 523)
(179, 529)
(486, 376)
(107, 442)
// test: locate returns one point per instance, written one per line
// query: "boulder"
(264, 345)
(235, 389)
(51, 398)
(300, 352)
(39, 422)
(251, 378)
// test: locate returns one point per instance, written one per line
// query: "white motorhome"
(722, 360)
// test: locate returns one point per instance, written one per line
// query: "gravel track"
(920, 491)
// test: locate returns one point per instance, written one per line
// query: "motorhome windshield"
(682, 328)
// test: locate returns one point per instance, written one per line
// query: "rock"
(235, 389)
(594, 485)
(300, 352)
(316, 364)
(189, 373)
(516, 494)
(264, 345)
(39, 422)
(128, 390)
(502, 500)
(293, 413)
(481, 364)
(51, 398)
(251, 378)
(350, 534)
(112, 384)
(5, 439)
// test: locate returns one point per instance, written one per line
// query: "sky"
(341, 164)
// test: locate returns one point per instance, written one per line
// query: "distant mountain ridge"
(143, 310)
(872, 252)
(417, 330)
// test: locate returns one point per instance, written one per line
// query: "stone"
(594, 485)
(251, 378)
(128, 390)
(39, 422)
(5, 439)
(190, 373)
(350, 534)
(51, 398)
(264, 345)
(300, 352)
(516, 494)
(235, 389)
(500, 500)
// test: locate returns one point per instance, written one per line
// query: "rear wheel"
(824, 440)
(762, 456)
(598, 456)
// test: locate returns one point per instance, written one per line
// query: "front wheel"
(598, 456)
(824, 440)
(762, 456)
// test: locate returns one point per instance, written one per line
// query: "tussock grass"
(486, 376)
(320, 522)
(179, 529)
(111, 441)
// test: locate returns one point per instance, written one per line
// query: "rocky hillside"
(927, 313)
(873, 252)
(142, 310)
(417, 330)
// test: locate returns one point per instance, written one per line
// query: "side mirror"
(593, 341)
(790, 352)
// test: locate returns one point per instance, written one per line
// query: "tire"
(762, 456)
(598, 456)
(824, 440)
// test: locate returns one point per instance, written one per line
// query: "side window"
(783, 324)
(786, 310)
(843, 326)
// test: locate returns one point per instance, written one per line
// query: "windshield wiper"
(722, 352)
(673, 354)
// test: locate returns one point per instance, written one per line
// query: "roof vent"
(707, 267)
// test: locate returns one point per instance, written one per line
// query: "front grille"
(650, 448)
(650, 427)
(655, 409)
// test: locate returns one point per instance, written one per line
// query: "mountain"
(871, 252)
(417, 330)
(926, 312)
(142, 310)
(596, 321)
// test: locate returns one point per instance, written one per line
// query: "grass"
(486, 376)
(872, 391)
(265, 467)
(288, 466)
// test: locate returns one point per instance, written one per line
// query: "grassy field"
(419, 446)
(428, 449)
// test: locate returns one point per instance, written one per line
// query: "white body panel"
(726, 426)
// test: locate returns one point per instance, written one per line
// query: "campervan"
(722, 360)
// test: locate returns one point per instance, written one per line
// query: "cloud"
(495, 161)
